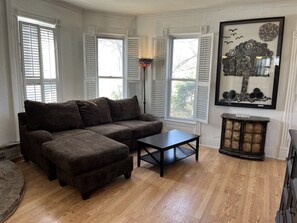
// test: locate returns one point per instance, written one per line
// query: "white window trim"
(124, 59)
(42, 24)
(131, 75)
(169, 79)
(106, 32)
(160, 48)
(15, 53)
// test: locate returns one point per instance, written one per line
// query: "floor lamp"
(144, 63)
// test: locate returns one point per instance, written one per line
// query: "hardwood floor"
(218, 188)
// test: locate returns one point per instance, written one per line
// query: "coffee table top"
(168, 139)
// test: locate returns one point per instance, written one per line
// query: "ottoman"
(88, 160)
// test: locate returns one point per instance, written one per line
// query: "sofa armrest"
(147, 117)
(39, 136)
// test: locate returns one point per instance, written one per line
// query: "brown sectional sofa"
(84, 143)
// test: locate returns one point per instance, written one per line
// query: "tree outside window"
(182, 78)
(110, 67)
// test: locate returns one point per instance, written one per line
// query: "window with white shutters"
(39, 67)
(111, 66)
(188, 69)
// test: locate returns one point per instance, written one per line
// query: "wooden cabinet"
(243, 136)
(288, 206)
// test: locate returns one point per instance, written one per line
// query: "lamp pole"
(144, 63)
(144, 102)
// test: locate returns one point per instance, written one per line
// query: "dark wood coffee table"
(168, 148)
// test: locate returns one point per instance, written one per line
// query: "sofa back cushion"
(52, 117)
(94, 112)
(124, 109)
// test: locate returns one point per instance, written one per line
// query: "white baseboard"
(283, 153)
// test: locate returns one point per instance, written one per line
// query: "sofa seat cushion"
(142, 128)
(113, 131)
(94, 112)
(84, 152)
(124, 109)
(52, 117)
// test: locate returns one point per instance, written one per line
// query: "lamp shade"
(144, 62)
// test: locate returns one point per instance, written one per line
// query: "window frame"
(40, 24)
(123, 77)
(169, 81)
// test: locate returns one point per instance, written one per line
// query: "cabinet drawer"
(256, 148)
(257, 138)
(236, 135)
(247, 137)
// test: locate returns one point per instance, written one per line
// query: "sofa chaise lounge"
(84, 143)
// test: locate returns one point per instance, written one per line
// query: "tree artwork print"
(249, 62)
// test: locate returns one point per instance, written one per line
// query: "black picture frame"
(249, 59)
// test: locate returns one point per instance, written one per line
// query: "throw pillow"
(124, 109)
(94, 113)
(53, 117)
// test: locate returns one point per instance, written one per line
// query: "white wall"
(7, 132)
(71, 64)
(109, 20)
(152, 26)
(71, 54)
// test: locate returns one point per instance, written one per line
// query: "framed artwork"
(249, 58)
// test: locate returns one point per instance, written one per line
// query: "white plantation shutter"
(134, 86)
(33, 91)
(90, 67)
(159, 76)
(38, 62)
(50, 92)
(133, 53)
(204, 76)
(48, 65)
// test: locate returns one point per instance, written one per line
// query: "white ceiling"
(140, 7)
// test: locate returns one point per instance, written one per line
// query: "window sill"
(191, 122)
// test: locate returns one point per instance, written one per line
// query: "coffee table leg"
(161, 163)
(197, 149)
(138, 155)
